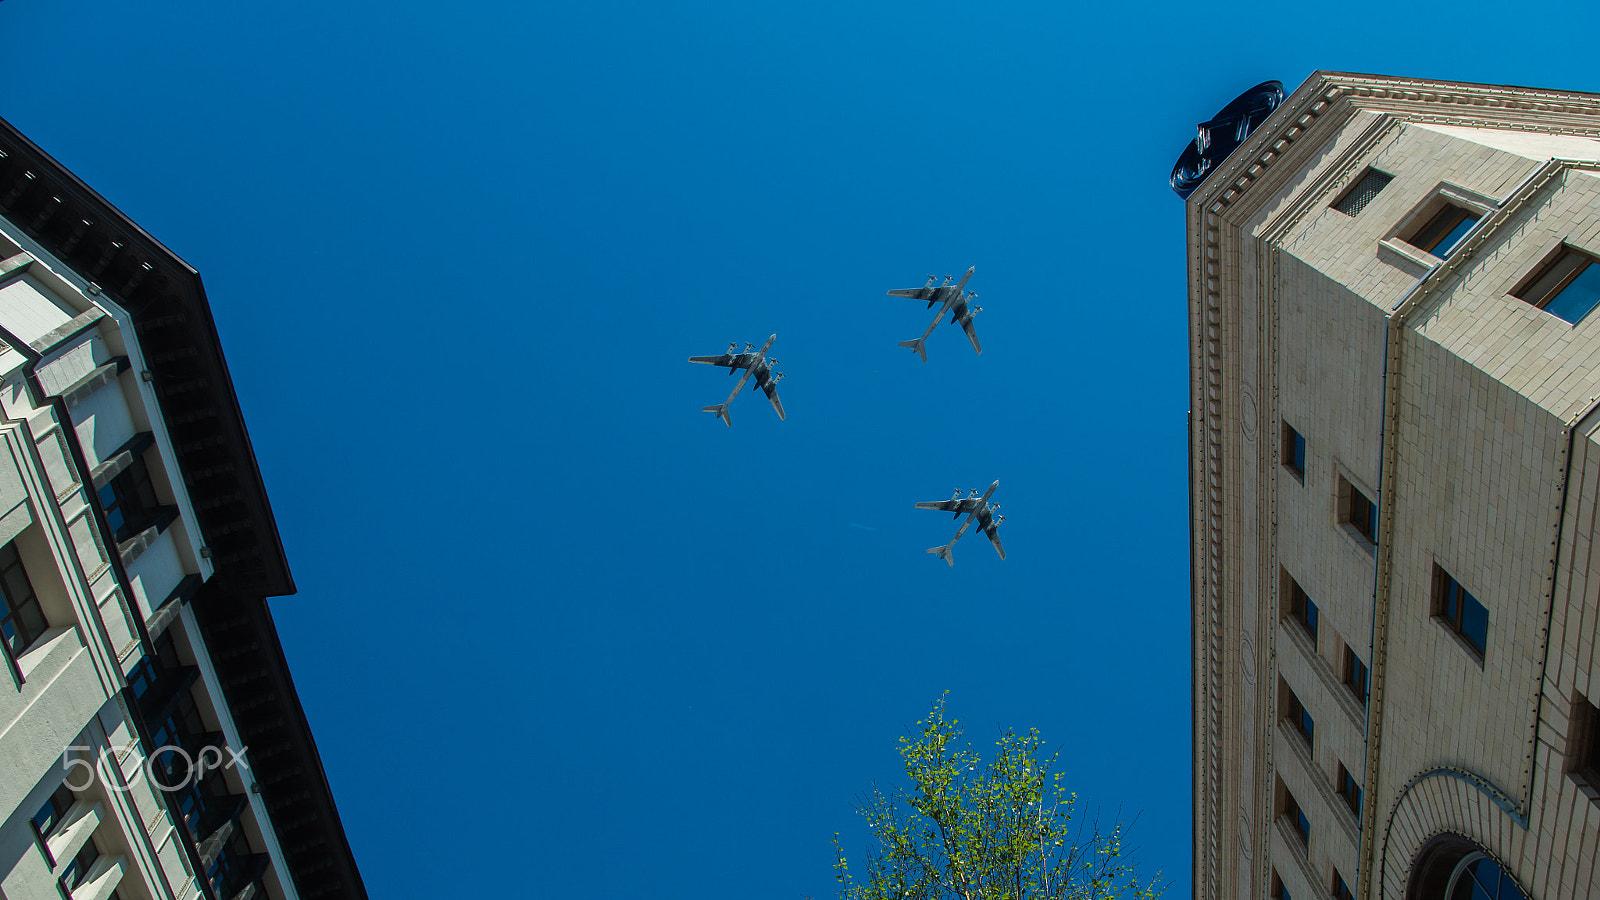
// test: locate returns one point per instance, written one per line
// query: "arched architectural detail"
(1441, 815)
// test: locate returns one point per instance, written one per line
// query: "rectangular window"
(1362, 192)
(78, 870)
(1294, 452)
(1567, 287)
(1459, 611)
(49, 815)
(1440, 234)
(21, 619)
(1297, 717)
(1355, 675)
(1298, 822)
(1279, 892)
(1583, 747)
(1350, 791)
(129, 501)
(1302, 610)
(1341, 891)
(1358, 511)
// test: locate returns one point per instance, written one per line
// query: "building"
(152, 745)
(1395, 468)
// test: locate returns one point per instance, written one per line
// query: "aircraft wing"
(993, 531)
(731, 361)
(926, 293)
(972, 334)
(771, 387)
(959, 506)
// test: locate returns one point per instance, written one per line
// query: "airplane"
(975, 508)
(753, 362)
(954, 302)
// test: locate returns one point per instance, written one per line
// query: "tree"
(970, 830)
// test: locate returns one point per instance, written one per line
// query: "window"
(78, 870)
(1362, 192)
(1477, 877)
(49, 815)
(1350, 791)
(1440, 234)
(1357, 511)
(1355, 675)
(1293, 453)
(1296, 818)
(1459, 611)
(1567, 287)
(1279, 892)
(1583, 747)
(1341, 891)
(129, 501)
(1302, 610)
(21, 619)
(1295, 714)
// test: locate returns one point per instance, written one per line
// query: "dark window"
(1350, 791)
(1460, 611)
(1294, 451)
(1480, 878)
(1297, 717)
(1297, 818)
(77, 870)
(1302, 610)
(1279, 892)
(1583, 746)
(21, 619)
(1341, 891)
(129, 501)
(1355, 675)
(1362, 192)
(1360, 512)
(49, 815)
(1567, 288)
(1440, 234)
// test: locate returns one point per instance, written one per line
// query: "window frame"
(131, 497)
(1441, 222)
(1292, 451)
(1299, 822)
(1299, 718)
(11, 614)
(1349, 790)
(1356, 671)
(1445, 589)
(1546, 294)
(1582, 759)
(1301, 608)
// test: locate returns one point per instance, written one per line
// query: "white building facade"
(151, 745)
(1395, 468)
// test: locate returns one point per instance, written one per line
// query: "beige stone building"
(1395, 469)
(152, 746)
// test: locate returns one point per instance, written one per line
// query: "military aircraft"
(753, 362)
(953, 301)
(974, 508)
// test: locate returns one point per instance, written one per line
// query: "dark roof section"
(184, 355)
(182, 350)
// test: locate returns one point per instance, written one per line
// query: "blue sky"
(559, 631)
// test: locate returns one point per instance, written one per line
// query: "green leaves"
(974, 830)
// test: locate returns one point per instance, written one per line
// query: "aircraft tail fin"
(722, 412)
(944, 553)
(916, 347)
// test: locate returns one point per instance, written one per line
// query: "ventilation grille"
(1357, 198)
